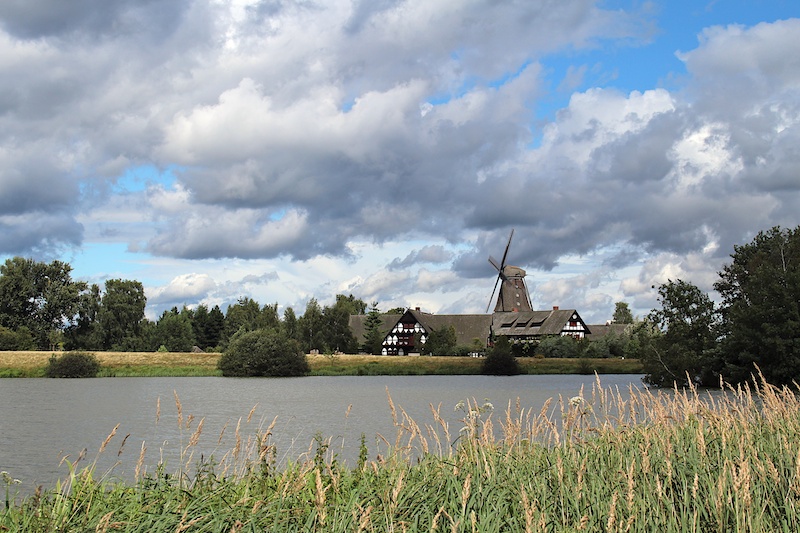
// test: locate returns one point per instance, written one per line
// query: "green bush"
(16, 340)
(263, 352)
(500, 361)
(73, 365)
(563, 347)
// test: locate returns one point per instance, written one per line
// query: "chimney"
(555, 308)
(416, 309)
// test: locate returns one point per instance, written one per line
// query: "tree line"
(42, 307)
(688, 339)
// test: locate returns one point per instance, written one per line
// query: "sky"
(283, 150)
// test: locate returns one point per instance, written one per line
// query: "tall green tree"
(687, 350)
(121, 316)
(215, 327)
(760, 308)
(373, 336)
(311, 328)
(622, 313)
(338, 335)
(39, 296)
(199, 321)
(244, 315)
(289, 324)
(84, 332)
(351, 304)
(174, 331)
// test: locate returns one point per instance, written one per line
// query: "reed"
(601, 460)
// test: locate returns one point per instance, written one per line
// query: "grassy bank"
(377, 365)
(594, 462)
(152, 364)
(121, 364)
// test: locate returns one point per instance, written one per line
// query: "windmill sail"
(513, 295)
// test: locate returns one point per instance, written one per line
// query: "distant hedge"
(73, 365)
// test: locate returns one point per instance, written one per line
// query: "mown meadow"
(154, 364)
(598, 461)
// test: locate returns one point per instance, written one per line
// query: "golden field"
(117, 363)
(32, 364)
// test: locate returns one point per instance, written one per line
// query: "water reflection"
(44, 420)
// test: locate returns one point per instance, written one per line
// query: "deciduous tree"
(687, 349)
(121, 316)
(351, 304)
(40, 296)
(622, 314)
(336, 318)
(174, 331)
(760, 309)
(311, 327)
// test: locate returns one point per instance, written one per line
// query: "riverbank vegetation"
(669, 461)
(168, 364)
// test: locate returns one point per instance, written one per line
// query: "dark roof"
(468, 327)
(357, 325)
(533, 323)
(471, 327)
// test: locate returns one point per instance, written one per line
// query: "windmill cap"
(513, 271)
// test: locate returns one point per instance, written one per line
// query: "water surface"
(44, 420)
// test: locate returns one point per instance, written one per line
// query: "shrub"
(16, 340)
(263, 352)
(500, 361)
(73, 365)
(559, 347)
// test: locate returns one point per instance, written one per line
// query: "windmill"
(513, 294)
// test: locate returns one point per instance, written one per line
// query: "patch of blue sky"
(471, 82)
(652, 61)
(96, 262)
(138, 178)
(277, 214)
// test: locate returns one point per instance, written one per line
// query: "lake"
(44, 420)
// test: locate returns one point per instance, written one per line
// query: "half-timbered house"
(407, 333)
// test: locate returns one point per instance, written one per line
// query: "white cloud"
(183, 288)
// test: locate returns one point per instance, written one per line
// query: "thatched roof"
(533, 323)
(468, 327)
(471, 327)
(358, 325)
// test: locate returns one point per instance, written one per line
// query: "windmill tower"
(513, 295)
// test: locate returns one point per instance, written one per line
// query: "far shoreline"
(31, 364)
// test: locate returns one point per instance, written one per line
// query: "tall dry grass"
(602, 460)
